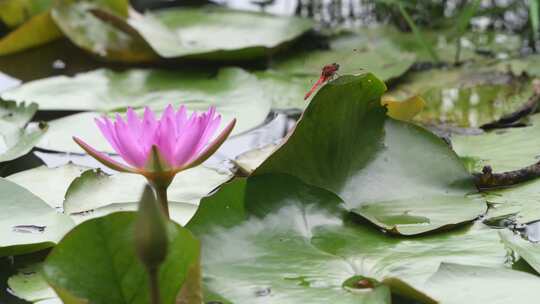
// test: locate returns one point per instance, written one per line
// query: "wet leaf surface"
(504, 150)
(27, 223)
(97, 262)
(278, 240)
(464, 97)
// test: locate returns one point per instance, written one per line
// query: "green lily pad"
(30, 285)
(504, 150)
(234, 92)
(528, 251)
(468, 96)
(519, 202)
(275, 239)
(79, 21)
(395, 174)
(179, 212)
(458, 284)
(16, 137)
(49, 184)
(293, 76)
(27, 223)
(105, 90)
(95, 189)
(200, 32)
(96, 262)
(354, 53)
(524, 65)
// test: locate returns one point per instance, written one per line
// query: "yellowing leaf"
(39, 30)
(403, 110)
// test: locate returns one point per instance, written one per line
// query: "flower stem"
(162, 199)
(154, 285)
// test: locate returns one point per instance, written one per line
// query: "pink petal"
(130, 149)
(133, 121)
(187, 141)
(211, 126)
(166, 139)
(212, 147)
(108, 132)
(148, 134)
(181, 119)
(103, 158)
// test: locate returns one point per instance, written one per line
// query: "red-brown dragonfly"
(328, 71)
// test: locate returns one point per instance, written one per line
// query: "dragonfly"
(328, 72)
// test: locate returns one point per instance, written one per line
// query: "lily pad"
(291, 77)
(353, 54)
(39, 30)
(397, 175)
(457, 283)
(468, 96)
(528, 251)
(275, 239)
(199, 32)
(16, 137)
(504, 150)
(519, 203)
(234, 92)
(95, 189)
(249, 161)
(27, 223)
(179, 212)
(30, 285)
(79, 21)
(96, 262)
(49, 184)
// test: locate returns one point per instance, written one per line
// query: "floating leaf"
(200, 32)
(95, 193)
(27, 223)
(457, 283)
(404, 110)
(234, 92)
(520, 202)
(353, 53)
(275, 239)
(16, 137)
(468, 96)
(291, 77)
(96, 262)
(528, 251)
(37, 31)
(49, 184)
(397, 175)
(79, 21)
(504, 150)
(249, 161)
(30, 285)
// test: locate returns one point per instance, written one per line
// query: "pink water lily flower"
(160, 148)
